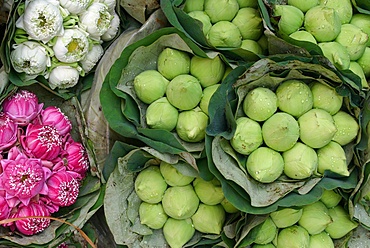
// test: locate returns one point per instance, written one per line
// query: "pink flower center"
(24, 180)
(68, 192)
(49, 137)
(36, 225)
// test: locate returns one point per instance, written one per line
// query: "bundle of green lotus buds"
(335, 26)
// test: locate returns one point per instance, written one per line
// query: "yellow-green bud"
(207, 95)
(208, 71)
(208, 192)
(293, 237)
(247, 136)
(172, 62)
(221, 10)
(326, 98)
(303, 35)
(336, 54)
(332, 157)
(330, 198)
(249, 22)
(193, 5)
(357, 69)
(172, 176)
(152, 215)
(304, 5)
(341, 223)
(315, 217)
(224, 34)
(248, 3)
(265, 232)
(347, 128)
(203, 18)
(353, 39)
(364, 61)
(291, 18)
(260, 104)
(178, 232)
(161, 114)
(191, 125)
(209, 219)
(321, 240)
(229, 208)
(150, 185)
(342, 7)
(286, 217)
(362, 21)
(150, 85)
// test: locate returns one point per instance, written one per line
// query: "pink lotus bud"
(77, 159)
(63, 188)
(49, 204)
(4, 208)
(8, 132)
(53, 116)
(22, 107)
(42, 141)
(31, 226)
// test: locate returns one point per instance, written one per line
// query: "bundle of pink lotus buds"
(42, 166)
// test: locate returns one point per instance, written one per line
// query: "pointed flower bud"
(63, 188)
(265, 232)
(173, 176)
(286, 217)
(180, 202)
(341, 224)
(75, 6)
(315, 217)
(96, 20)
(77, 158)
(178, 232)
(63, 77)
(208, 192)
(209, 218)
(294, 237)
(152, 215)
(8, 132)
(53, 116)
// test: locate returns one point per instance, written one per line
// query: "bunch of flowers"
(42, 166)
(62, 40)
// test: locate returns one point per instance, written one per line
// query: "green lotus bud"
(341, 223)
(342, 7)
(303, 35)
(209, 219)
(172, 176)
(193, 5)
(321, 240)
(317, 128)
(291, 18)
(362, 21)
(357, 69)
(208, 71)
(260, 104)
(293, 237)
(180, 202)
(280, 132)
(347, 128)
(184, 92)
(221, 10)
(263, 42)
(178, 232)
(249, 22)
(191, 125)
(248, 3)
(336, 53)
(332, 157)
(265, 165)
(229, 207)
(286, 217)
(265, 232)
(207, 95)
(304, 5)
(330, 198)
(247, 136)
(150, 85)
(294, 97)
(323, 23)
(252, 46)
(203, 18)
(160, 114)
(172, 62)
(152, 215)
(208, 192)
(353, 39)
(315, 217)
(269, 245)
(364, 62)
(150, 185)
(326, 98)
(300, 161)
(224, 34)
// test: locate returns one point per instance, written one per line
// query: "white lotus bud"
(96, 20)
(63, 77)
(92, 58)
(76, 6)
(113, 28)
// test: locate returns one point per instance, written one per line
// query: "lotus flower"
(75, 6)
(63, 188)
(77, 157)
(53, 116)
(92, 58)
(63, 77)
(4, 208)
(96, 20)
(152, 215)
(22, 107)
(113, 28)
(8, 132)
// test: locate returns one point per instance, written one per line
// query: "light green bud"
(294, 97)
(300, 161)
(353, 39)
(180, 202)
(224, 34)
(280, 132)
(208, 192)
(260, 104)
(203, 18)
(303, 35)
(342, 7)
(291, 18)
(364, 62)
(265, 232)
(330, 198)
(341, 223)
(208, 71)
(193, 5)
(326, 98)
(304, 5)
(172, 62)
(249, 22)
(317, 128)
(207, 95)
(209, 219)
(332, 157)
(229, 208)
(357, 69)
(286, 217)
(184, 92)
(321, 240)
(362, 21)
(265, 165)
(347, 128)
(293, 237)
(150, 85)
(160, 114)
(221, 10)
(269, 245)
(323, 23)
(152, 215)
(172, 176)
(178, 232)
(336, 53)
(150, 185)
(247, 136)
(191, 125)
(252, 46)
(248, 3)
(315, 217)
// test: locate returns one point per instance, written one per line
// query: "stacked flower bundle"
(42, 166)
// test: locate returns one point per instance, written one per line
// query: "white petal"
(113, 28)
(74, 6)
(63, 77)
(72, 46)
(92, 58)
(95, 20)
